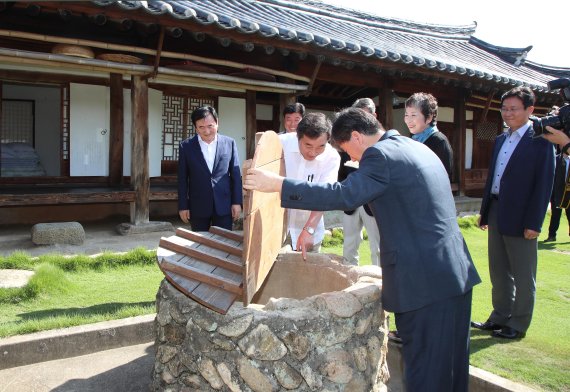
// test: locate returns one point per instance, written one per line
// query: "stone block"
(58, 233)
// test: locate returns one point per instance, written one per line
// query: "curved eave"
(197, 12)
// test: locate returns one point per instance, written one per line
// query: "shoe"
(486, 326)
(550, 239)
(508, 333)
(394, 336)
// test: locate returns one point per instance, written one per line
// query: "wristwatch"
(309, 230)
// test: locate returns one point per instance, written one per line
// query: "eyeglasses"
(511, 110)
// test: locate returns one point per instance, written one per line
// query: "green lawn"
(74, 291)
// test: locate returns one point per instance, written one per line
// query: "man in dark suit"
(514, 204)
(209, 179)
(427, 271)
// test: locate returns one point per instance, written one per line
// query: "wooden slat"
(211, 242)
(212, 297)
(203, 276)
(226, 233)
(201, 255)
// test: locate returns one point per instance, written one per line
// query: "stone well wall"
(321, 328)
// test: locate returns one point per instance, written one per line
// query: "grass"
(80, 290)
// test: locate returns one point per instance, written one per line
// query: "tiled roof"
(447, 49)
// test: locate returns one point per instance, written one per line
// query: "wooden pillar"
(385, 108)
(250, 122)
(140, 180)
(116, 130)
(459, 118)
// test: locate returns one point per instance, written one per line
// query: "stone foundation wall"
(334, 341)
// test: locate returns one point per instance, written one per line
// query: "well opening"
(290, 278)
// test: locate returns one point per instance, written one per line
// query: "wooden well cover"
(216, 267)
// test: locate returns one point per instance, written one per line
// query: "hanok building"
(96, 95)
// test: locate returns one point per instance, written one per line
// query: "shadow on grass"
(108, 308)
(480, 340)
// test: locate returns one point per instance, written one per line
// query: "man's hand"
(236, 211)
(556, 136)
(263, 181)
(304, 243)
(482, 227)
(184, 215)
(530, 234)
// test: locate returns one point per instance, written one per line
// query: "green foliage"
(334, 239)
(138, 256)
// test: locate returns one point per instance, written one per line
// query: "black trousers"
(436, 345)
(555, 215)
(203, 224)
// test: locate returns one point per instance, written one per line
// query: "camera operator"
(561, 181)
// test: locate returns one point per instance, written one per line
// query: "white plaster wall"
(47, 121)
(468, 148)
(154, 132)
(89, 130)
(231, 112)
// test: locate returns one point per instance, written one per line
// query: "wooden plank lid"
(211, 267)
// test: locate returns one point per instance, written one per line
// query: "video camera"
(560, 121)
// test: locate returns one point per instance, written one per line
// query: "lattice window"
(176, 122)
(65, 123)
(17, 121)
(486, 131)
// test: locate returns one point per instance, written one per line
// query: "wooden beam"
(320, 60)
(488, 105)
(385, 107)
(140, 179)
(116, 129)
(250, 122)
(461, 126)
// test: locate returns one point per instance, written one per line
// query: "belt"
(494, 197)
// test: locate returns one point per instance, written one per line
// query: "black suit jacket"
(203, 193)
(526, 185)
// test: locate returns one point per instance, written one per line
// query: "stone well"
(316, 325)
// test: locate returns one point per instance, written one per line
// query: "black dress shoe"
(550, 239)
(486, 326)
(508, 333)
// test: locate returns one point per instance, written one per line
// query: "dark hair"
(365, 104)
(525, 94)
(202, 112)
(294, 108)
(353, 119)
(426, 103)
(313, 125)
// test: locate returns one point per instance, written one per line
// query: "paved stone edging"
(71, 342)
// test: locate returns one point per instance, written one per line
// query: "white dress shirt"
(209, 151)
(505, 154)
(324, 168)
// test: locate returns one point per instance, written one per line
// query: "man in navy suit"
(427, 271)
(209, 179)
(514, 203)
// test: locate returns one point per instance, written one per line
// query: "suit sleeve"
(544, 178)
(364, 185)
(235, 177)
(183, 179)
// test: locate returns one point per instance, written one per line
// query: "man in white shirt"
(309, 157)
